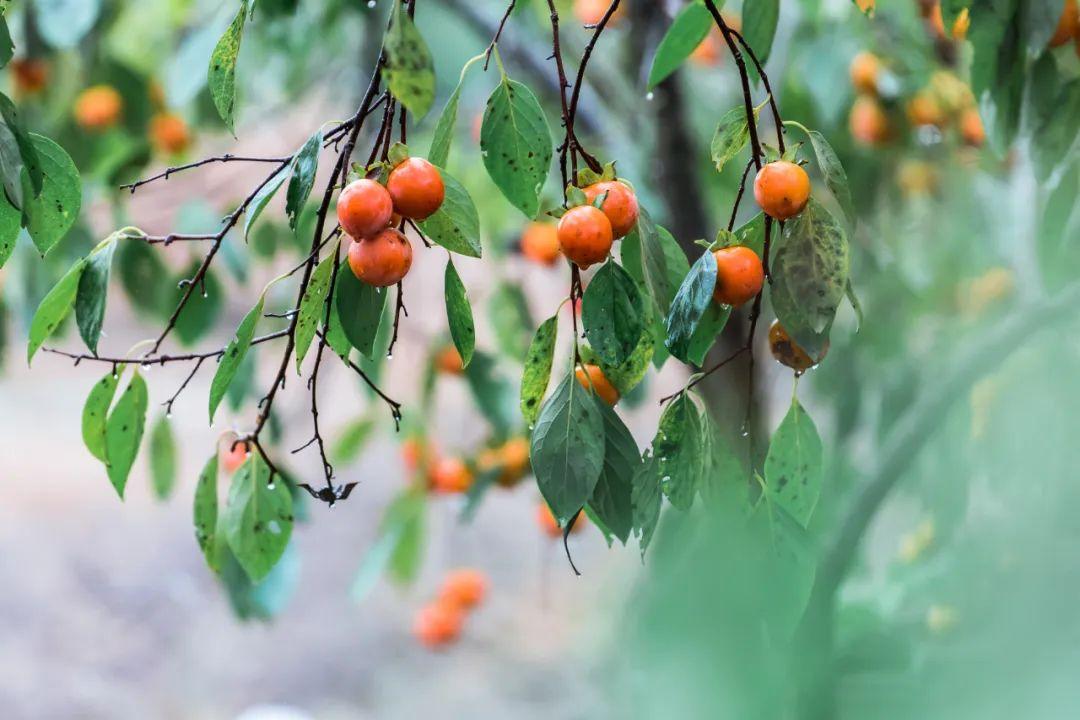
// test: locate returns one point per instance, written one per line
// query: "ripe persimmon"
(864, 70)
(448, 360)
(450, 475)
(98, 107)
(620, 205)
(782, 189)
(464, 588)
(868, 122)
(169, 133)
(233, 455)
(936, 21)
(547, 522)
(596, 381)
(788, 352)
(29, 75)
(382, 260)
(585, 235)
(438, 624)
(1068, 24)
(364, 208)
(591, 12)
(971, 128)
(540, 243)
(414, 452)
(739, 275)
(416, 187)
(708, 51)
(511, 459)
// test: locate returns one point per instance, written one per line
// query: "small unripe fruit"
(868, 123)
(924, 109)
(864, 70)
(364, 208)
(438, 624)
(971, 128)
(620, 205)
(417, 189)
(585, 235)
(782, 189)
(1068, 24)
(540, 243)
(961, 25)
(596, 381)
(169, 133)
(739, 275)
(787, 351)
(98, 107)
(450, 476)
(382, 260)
(464, 588)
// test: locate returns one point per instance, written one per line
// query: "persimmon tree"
(638, 295)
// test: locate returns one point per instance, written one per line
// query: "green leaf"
(19, 153)
(398, 544)
(537, 372)
(202, 309)
(10, 225)
(124, 431)
(725, 482)
(793, 467)
(1053, 138)
(492, 392)
(833, 171)
(686, 32)
(443, 136)
(568, 448)
(162, 458)
(360, 310)
(646, 498)
(234, 356)
(304, 167)
(63, 23)
(459, 314)
(611, 498)
(660, 259)
(849, 292)
(456, 224)
(54, 307)
(731, 136)
(712, 322)
(811, 266)
(508, 313)
(205, 513)
(93, 291)
(221, 76)
(145, 279)
(515, 141)
(611, 313)
(759, 26)
(7, 48)
(313, 306)
(1038, 20)
(627, 374)
(997, 70)
(263, 197)
(258, 517)
(96, 411)
(51, 214)
(350, 442)
(409, 72)
(695, 296)
(678, 451)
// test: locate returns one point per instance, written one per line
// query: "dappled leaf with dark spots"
(537, 373)
(793, 466)
(515, 141)
(258, 518)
